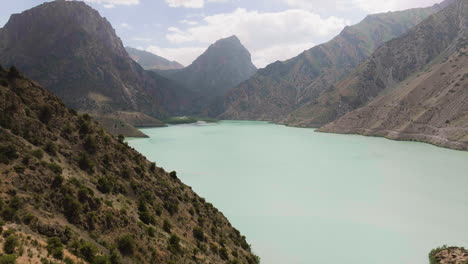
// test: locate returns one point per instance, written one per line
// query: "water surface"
(305, 197)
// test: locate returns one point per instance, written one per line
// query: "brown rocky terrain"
(282, 87)
(70, 49)
(389, 65)
(430, 106)
(71, 191)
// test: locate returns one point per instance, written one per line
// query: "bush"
(55, 168)
(198, 234)
(85, 162)
(8, 153)
(223, 253)
(87, 251)
(8, 259)
(147, 218)
(173, 175)
(173, 244)
(51, 148)
(55, 247)
(126, 245)
(72, 208)
(13, 73)
(58, 181)
(104, 185)
(38, 153)
(90, 144)
(167, 226)
(46, 113)
(10, 245)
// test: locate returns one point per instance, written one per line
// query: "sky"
(270, 29)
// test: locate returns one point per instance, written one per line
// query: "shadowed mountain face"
(222, 66)
(424, 79)
(282, 87)
(150, 61)
(73, 51)
(66, 178)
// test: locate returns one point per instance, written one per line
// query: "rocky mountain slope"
(392, 63)
(430, 106)
(225, 64)
(70, 191)
(150, 61)
(73, 51)
(282, 87)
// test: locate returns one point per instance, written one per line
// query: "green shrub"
(173, 175)
(38, 153)
(55, 247)
(167, 226)
(104, 185)
(10, 245)
(87, 251)
(68, 260)
(7, 259)
(173, 244)
(126, 245)
(223, 254)
(19, 168)
(8, 153)
(147, 218)
(55, 168)
(198, 234)
(72, 208)
(85, 163)
(51, 148)
(58, 181)
(90, 144)
(46, 113)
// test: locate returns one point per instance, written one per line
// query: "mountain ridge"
(151, 61)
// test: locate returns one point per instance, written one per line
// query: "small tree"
(11, 243)
(55, 247)
(173, 244)
(126, 245)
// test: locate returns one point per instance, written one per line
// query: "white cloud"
(188, 22)
(126, 26)
(113, 3)
(184, 55)
(268, 36)
(320, 5)
(142, 39)
(373, 6)
(192, 3)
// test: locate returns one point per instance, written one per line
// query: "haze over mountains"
(150, 61)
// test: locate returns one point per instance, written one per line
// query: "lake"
(305, 197)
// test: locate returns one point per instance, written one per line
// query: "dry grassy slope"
(64, 176)
(389, 65)
(280, 88)
(432, 107)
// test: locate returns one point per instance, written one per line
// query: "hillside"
(70, 49)
(282, 87)
(430, 106)
(72, 191)
(225, 64)
(391, 64)
(150, 61)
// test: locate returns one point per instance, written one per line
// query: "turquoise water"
(306, 197)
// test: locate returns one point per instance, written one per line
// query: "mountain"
(72, 191)
(424, 76)
(282, 87)
(73, 51)
(150, 61)
(225, 64)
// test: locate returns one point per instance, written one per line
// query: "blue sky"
(271, 29)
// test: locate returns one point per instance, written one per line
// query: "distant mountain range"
(150, 61)
(412, 88)
(283, 87)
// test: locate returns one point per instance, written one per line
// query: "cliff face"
(431, 105)
(71, 190)
(73, 51)
(391, 64)
(282, 87)
(225, 64)
(150, 61)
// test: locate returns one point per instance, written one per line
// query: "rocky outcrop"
(150, 61)
(282, 87)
